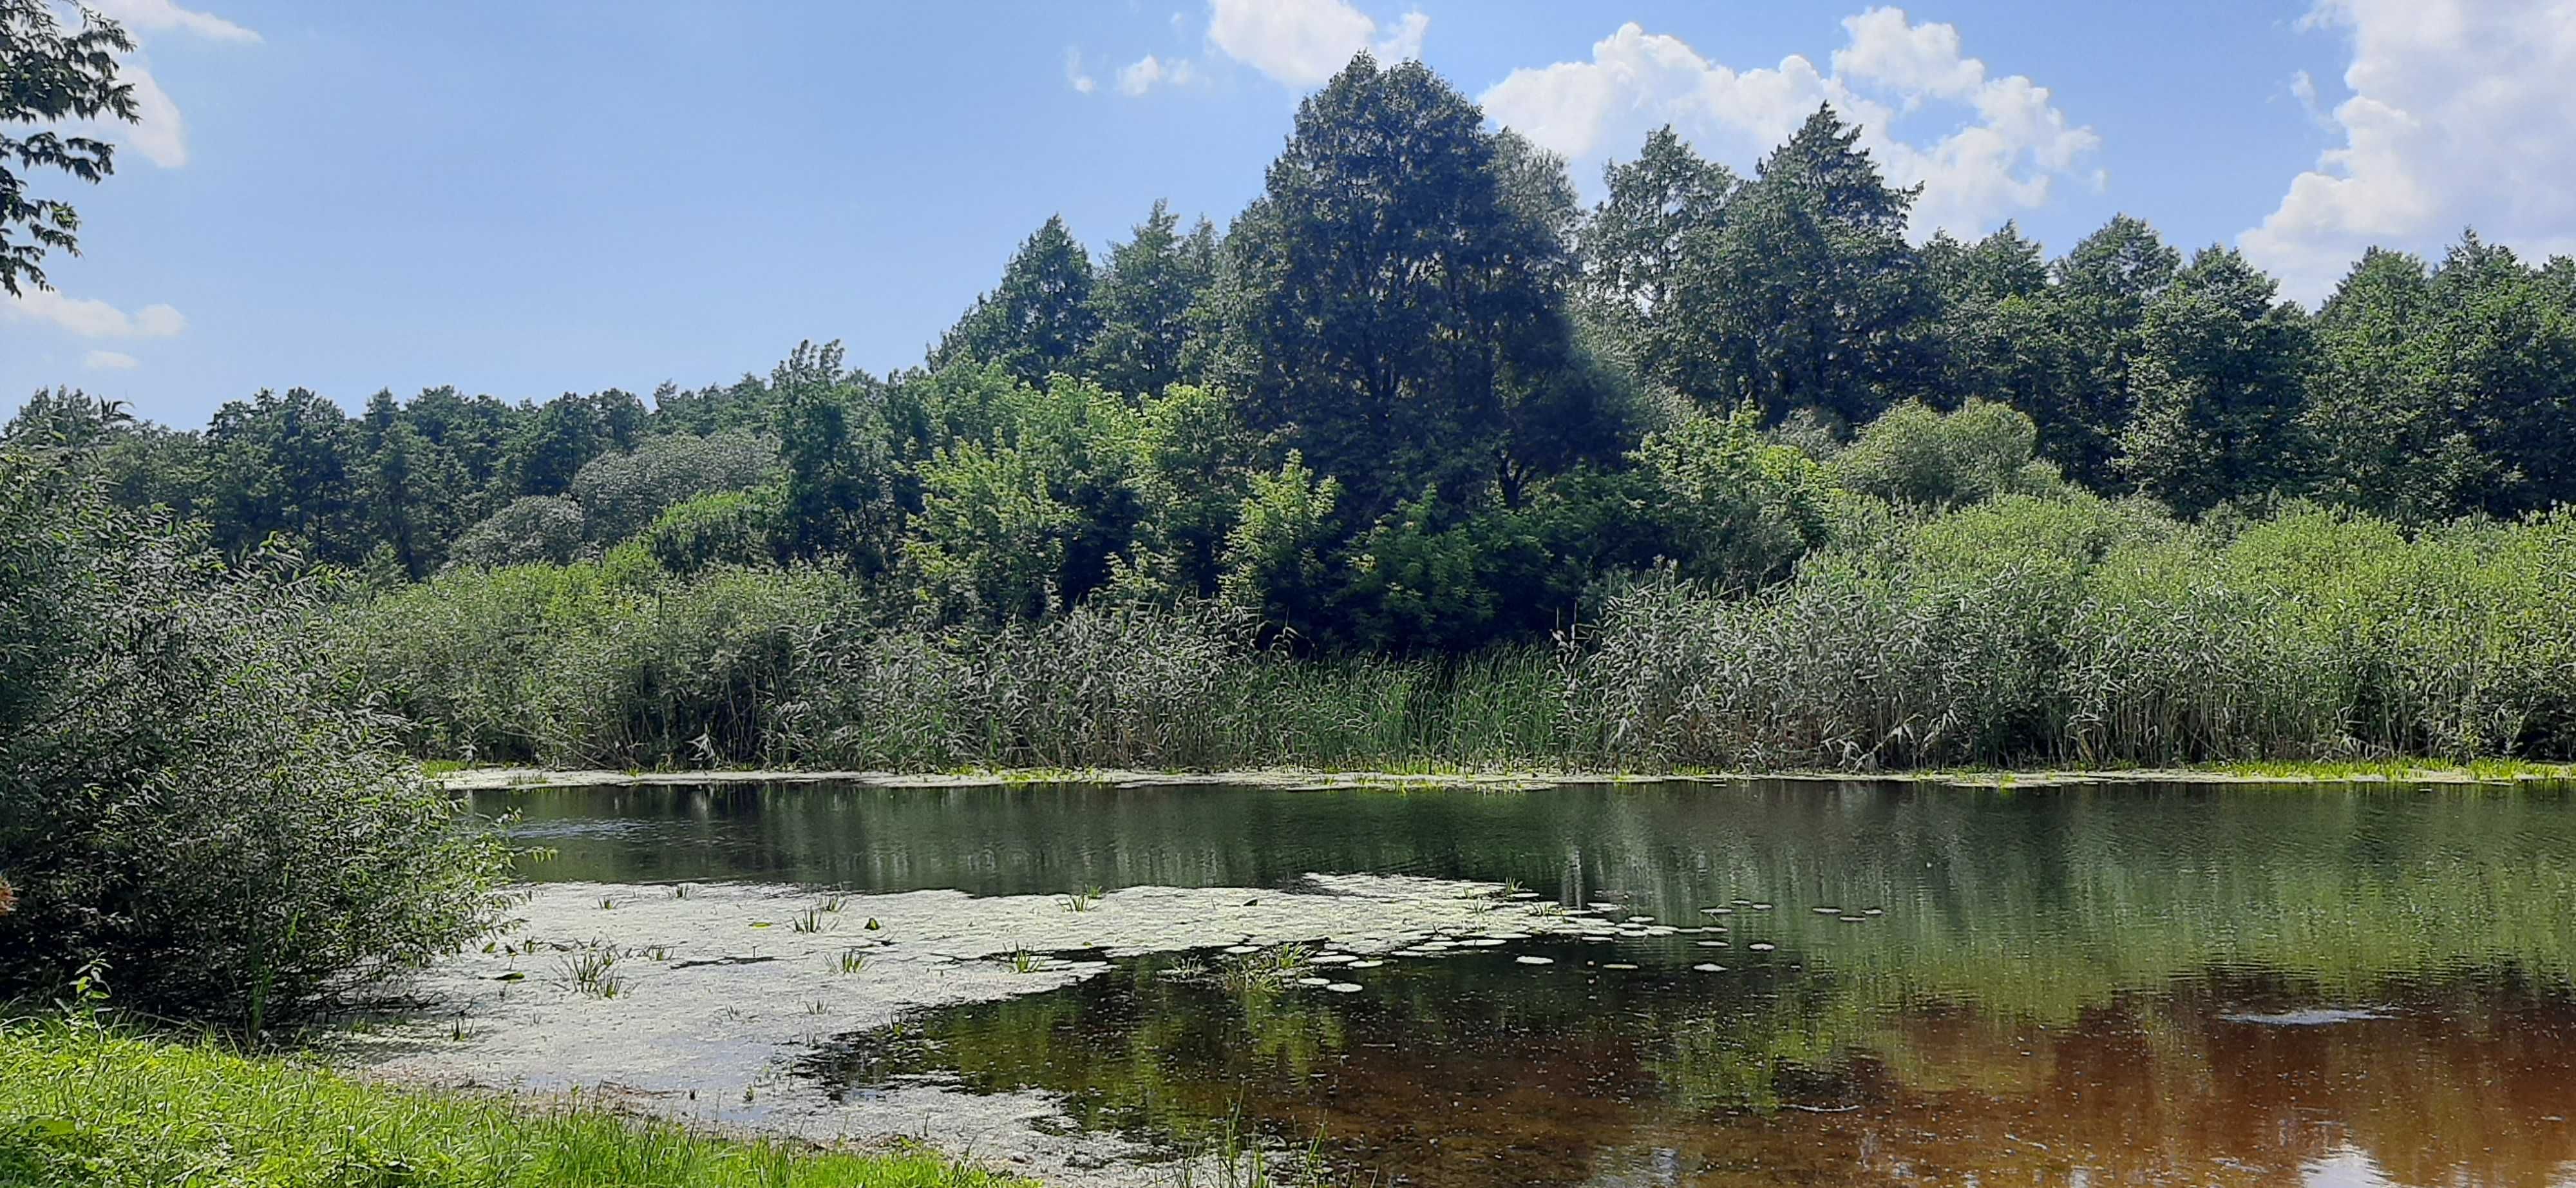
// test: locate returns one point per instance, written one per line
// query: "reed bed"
(2025, 631)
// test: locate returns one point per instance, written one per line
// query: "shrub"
(620, 494)
(179, 797)
(535, 528)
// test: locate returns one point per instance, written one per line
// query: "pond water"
(1870, 983)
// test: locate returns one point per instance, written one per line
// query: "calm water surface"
(2177, 986)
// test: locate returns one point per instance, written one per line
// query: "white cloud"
(110, 361)
(2002, 156)
(1304, 42)
(2456, 118)
(1073, 74)
(1148, 72)
(92, 318)
(162, 16)
(157, 133)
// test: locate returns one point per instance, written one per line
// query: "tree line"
(1417, 397)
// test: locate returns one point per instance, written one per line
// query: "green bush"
(180, 798)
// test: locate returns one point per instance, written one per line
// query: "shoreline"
(498, 779)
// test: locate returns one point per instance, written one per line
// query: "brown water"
(2172, 986)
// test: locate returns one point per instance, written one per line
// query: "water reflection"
(2148, 986)
(1475, 1070)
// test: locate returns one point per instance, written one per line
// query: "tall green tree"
(284, 465)
(2505, 345)
(49, 75)
(1634, 248)
(1141, 307)
(2220, 388)
(2099, 309)
(1395, 289)
(1038, 320)
(839, 494)
(1807, 297)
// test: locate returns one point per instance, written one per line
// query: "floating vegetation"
(1709, 967)
(1617, 965)
(1371, 963)
(1343, 987)
(1717, 911)
(1314, 981)
(1527, 959)
(1761, 946)
(1710, 944)
(1827, 911)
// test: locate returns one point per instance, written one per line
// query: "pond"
(1818, 984)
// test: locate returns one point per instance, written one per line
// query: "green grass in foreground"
(88, 1107)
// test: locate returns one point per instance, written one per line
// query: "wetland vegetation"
(1416, 464)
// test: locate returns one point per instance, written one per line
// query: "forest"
(1419, 460)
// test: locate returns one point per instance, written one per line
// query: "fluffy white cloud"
(157, 133)
(1073, 73)
(2457, 117)
(1304, 42)
(162, 16)
(2004, 155)
(1148, 72)
(110, 361)
(92, 318)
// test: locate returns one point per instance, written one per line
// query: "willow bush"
(182, 799)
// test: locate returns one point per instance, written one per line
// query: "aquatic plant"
(809, 920)
(589, 971)
(853, 960)
(1083, 900)
(1022, 961)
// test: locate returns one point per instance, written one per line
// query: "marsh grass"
(1265, 972)
(591, 972)
(853, 960)
(809, 920)
(83, 1107)
(1083, 900)
(2063, 632)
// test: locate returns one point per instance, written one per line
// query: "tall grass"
(2027, 630)
(85, 1107)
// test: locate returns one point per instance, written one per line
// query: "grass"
(84, 1107)
(1083, 900)
(590, 973)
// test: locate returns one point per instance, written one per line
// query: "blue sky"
(530, 198)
